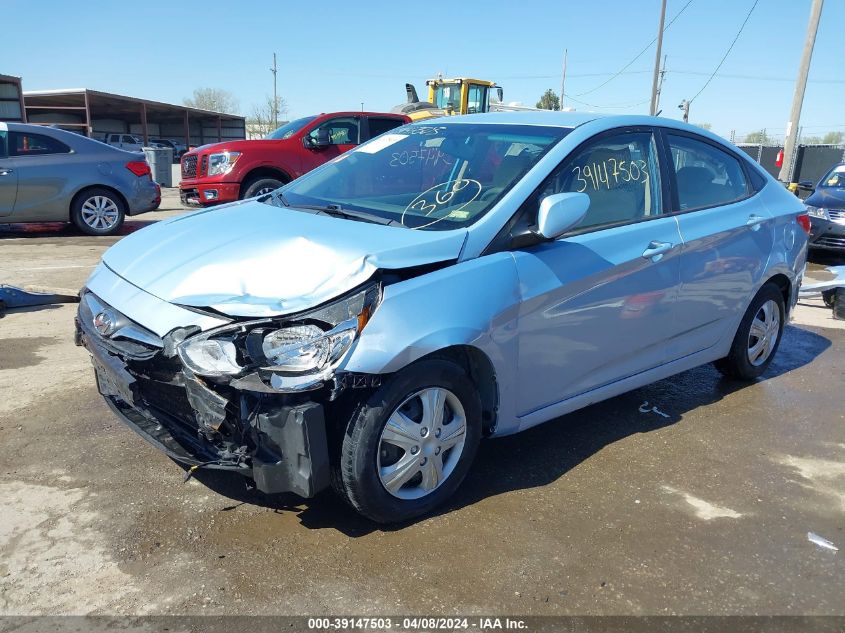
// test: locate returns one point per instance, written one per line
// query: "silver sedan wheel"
(763, 335)
(422, 443)
(264, 190)
(100, 213)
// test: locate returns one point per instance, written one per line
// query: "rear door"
(8, 175)
(598, 303)
(728, 236)
(376, 125)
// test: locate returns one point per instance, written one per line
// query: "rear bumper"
(825, 234)
(148, 198)
(282, 442)
(205, 194)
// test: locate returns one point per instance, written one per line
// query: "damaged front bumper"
(278, 440)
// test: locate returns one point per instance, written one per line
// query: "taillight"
(138, 167)
(804, 222)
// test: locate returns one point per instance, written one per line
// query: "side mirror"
(324, 138)
(559, 212)
(500, 93)
(807, 185)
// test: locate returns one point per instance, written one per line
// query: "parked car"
(50, 175)
(368, 323)
(179, 149)
(233, 170)
(826, 206)
(126, 142)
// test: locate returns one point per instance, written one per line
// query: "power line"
(616, 106)
(640, 54)
(728, 52)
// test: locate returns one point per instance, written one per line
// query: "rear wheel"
(260, 187)
(97, 211)
(410, 445)
(758, 336)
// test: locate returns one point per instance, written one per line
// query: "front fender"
(473, 303)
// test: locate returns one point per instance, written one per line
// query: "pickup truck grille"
(189, 166)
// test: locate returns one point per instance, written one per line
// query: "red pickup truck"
(233, 170)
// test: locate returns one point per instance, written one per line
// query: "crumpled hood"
(827, 197)
(255, 259)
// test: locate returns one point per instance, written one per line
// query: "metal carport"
(96, 114)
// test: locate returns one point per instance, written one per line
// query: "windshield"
(424, 176)
(289, 129)
(835, 178)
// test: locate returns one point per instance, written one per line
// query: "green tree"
(214, 99)
(833, 138)
(760, 137)
(549, 101)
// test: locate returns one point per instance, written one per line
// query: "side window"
(128, 139)
(342, 130)
(621, 175)
(3, 136)
(380, 126)
(706, 176)
(26, 144)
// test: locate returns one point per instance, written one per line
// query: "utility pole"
(685, 107)
(798, 96)
(653, 109)
(563, 79)
(274, 70)
(660, 87)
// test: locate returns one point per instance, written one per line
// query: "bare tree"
(215, 99)
(266, 117)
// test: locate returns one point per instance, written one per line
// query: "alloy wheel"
(100, 213)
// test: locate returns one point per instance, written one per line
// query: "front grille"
(189, 166)
(837, 215)
(831, 242)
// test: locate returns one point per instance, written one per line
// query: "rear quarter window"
(27, 144)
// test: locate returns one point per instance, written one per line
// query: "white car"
(129, 142)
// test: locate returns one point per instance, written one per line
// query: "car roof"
(539, 117)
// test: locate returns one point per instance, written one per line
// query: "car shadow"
(545, 453)
(65, 229)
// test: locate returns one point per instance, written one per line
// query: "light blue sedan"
(369, 323)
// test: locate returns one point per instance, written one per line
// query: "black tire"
(828, 296)
(254, 187)
(79, 210)
(357, 478)
(737, 363)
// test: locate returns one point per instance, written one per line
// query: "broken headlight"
(310, 344)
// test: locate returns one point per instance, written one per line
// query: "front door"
(598, 303)
(344, 133)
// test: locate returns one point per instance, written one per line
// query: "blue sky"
(334, 55)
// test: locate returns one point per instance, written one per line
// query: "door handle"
(4, 171)
(656, 250)
(754, 221)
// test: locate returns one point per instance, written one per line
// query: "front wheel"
(758, 336)
(410, 445)
(260, 187)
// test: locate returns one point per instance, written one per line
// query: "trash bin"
(160, 160)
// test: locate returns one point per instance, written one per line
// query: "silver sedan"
(51, 175)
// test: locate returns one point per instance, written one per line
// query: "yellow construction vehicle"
(460, 95)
